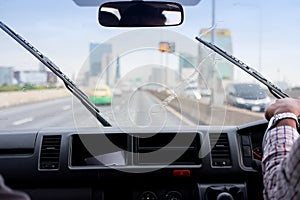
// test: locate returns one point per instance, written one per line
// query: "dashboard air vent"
(50, 151)
(220, 151)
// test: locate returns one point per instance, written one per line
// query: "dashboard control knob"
(225, 196)
(173, 195)
(148, 195)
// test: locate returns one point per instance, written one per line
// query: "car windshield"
(146, 69)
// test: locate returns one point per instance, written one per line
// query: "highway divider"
(15, 98)
(209, 114)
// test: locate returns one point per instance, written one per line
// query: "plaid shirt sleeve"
(281, 163)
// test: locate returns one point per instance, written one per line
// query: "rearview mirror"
(140, 14)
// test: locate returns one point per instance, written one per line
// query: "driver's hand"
(283, 105)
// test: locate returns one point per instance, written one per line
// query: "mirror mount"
(140, 14)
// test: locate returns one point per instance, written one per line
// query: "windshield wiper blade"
(55, 69)
(277, 92)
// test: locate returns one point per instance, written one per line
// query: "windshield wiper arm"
(55, 69)
(277, 92)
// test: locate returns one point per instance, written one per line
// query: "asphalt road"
(139, 109)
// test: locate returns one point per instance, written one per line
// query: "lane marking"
(23, 121)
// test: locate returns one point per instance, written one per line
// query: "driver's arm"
(281, 152)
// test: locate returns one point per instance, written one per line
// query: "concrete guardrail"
(208, 114)
(9, 99)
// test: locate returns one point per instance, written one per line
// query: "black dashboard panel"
(139, 149)
(110, 164)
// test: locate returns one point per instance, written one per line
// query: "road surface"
(132, 109)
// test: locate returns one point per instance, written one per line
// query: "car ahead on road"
(204, 91)
(150, 143)
(247, 95)
(101, 95)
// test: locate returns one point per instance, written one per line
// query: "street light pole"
(213, 71)
(213, 22)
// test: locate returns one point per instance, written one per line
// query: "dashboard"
(108, 164)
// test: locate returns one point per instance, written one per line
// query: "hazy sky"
(63, 31)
